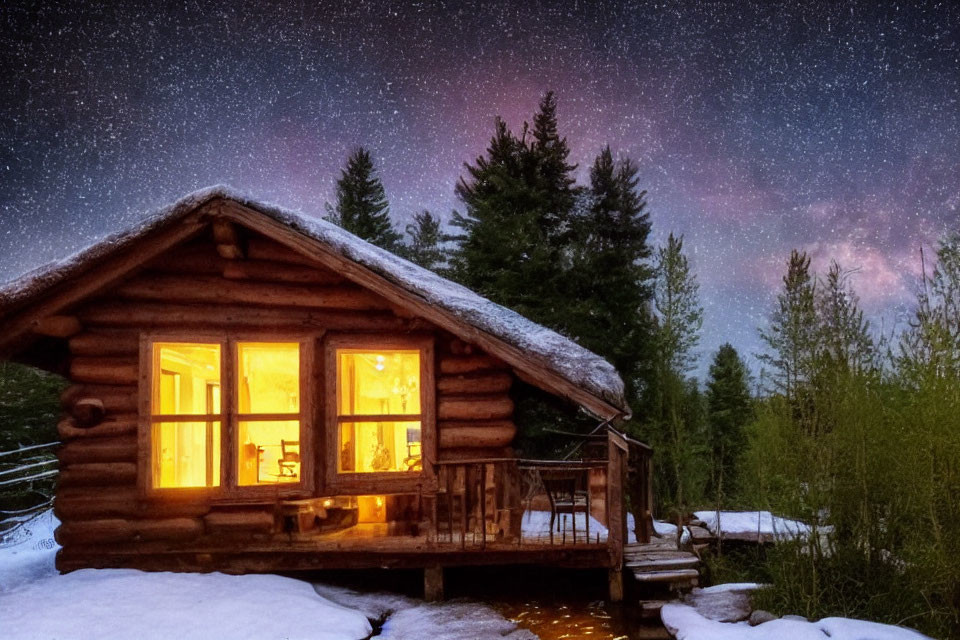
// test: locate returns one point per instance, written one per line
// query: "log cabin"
(256, 389)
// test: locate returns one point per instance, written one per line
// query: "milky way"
(830, 127)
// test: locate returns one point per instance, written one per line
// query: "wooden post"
(615, 584)
(433, 583)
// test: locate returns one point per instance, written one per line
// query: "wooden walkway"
(659, 561)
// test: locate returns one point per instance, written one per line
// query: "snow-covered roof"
(545, 347)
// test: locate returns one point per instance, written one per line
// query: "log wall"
(265, 286)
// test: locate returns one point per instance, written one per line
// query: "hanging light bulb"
(380, 366)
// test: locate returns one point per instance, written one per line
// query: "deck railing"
(27, 476)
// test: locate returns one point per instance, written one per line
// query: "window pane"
(186, 378)
(378, 382)
(268, 380)
(186, 454)
(269, 452)
(367, 447)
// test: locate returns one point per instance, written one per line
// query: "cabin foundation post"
(433, 583)
(615, 584)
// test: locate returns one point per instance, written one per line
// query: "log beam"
(112, 426)
(493, 407)
(469, 364)
(108, 449)
(98, 473)
(115, 398)
(227, 239)
(274, 271)
(483, 383)
(433, 583)
(102, 343)
(480, 435)
(87, 411)
(57, 326)
(117, 371)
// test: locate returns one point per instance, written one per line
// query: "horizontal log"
(226, 521)
(107, 449)
(117, 425)
(464, 453)
(491, 407)
(178, 529)
(499, 434)
(94, 531)
(469, 364)
(87, 411)
(57, 326)
(114, 343)
(272, 271)
(196, 258)
(88, 503)
(259, 248)
(483, 383)
(98, 474)
(212, 289)
(226, 316)
(460, 348)
(117, 371)
(115, 398)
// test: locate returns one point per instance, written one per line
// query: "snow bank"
(753, 526)
(685, 623)
(536, 524)
(410, 619)
(124, 603)
(28, 552)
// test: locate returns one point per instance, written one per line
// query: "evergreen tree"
(610, 283)
(517, 199)
(792, 334)
(729, 409)
(845, 344)
(425, 237)
(670, 428)
(362, 207)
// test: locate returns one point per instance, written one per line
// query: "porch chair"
(289, 457)
(567, 493)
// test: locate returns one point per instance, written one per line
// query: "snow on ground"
(685, 623)
(37, 602)
(27, 553)
(752, 526)
(536, 524)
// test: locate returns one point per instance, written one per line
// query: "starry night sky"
(758, 127)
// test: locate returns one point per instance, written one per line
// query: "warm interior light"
(370, 385)
(268, 382)
(186, 381)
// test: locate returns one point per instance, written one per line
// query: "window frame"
(229, 488)
(384, 482)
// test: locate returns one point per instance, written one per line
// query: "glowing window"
(268, 401)
(185, 420)
(378, 411)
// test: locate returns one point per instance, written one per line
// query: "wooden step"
(668, 575)
(663, 564)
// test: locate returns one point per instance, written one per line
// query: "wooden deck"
(659, 561)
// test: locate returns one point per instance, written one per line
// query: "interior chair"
(289, 457)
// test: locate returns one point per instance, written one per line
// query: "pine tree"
(425, 237)
(362, 207)
(677, 301)
(511, 247)
(845, 345)
(792, 334)
(610, 283)
(729, 409)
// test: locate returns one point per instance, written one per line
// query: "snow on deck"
(685, 623)
(555, 352)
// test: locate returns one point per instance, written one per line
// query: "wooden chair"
(289, 461)
(567, 493)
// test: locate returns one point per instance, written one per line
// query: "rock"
(721, 606)
(760, 616)
(797, 618)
